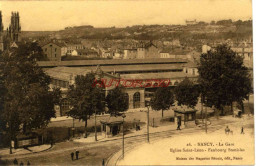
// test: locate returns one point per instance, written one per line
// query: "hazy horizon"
(56, 15)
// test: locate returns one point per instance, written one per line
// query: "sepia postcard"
(136, 82)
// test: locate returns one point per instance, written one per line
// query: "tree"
(186, 93)
(163, 99)
(223, 77)
(116, 101)
(27, 100)
(85, 99)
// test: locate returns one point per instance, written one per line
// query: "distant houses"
(85, 52)
(242, 48)
(55, 50)
(71, 46)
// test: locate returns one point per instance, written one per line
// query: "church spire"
(1, 23)
(15, 28)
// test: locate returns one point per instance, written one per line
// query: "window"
(65, 107)
(67, 85)
(55, 55)
(55, 49)
(136, 103)
(45, 49)
(126, 97)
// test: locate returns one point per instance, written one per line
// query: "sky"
(56, 15)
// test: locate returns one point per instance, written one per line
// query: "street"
(93, 153)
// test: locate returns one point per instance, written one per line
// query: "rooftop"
(107, 62)
(86, 51)
(163, 75)
(111, 120)
(138, 67)
(60, 44)
(66, 73)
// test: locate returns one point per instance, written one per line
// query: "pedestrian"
(77, 154)
(72, 156)
(242, 130)
(178, 127)
(28, 163)
(15, 161)
(103, 162)
(21, 164)
(227, 130)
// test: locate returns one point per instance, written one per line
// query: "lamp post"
(206, 127)
(123, 140)
(148, 107)
(73, 127)
(95, 124)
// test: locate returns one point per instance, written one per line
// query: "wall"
(152, 52)
(52, 51)
(130, 54)
(140, 53)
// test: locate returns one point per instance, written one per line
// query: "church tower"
(14, 30)
(1, 33)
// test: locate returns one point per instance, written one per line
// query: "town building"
(166, 53)
(247, 53)
(85, 52)
(71, 46)
(54, 51)
(118, 54)
(130, 53)
(148, 50)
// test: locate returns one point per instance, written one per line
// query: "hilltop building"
(191, 22)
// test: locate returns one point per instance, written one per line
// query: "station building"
(149, 73)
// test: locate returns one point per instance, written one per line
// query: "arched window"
(136, 100)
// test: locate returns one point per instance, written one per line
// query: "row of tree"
(26, 102)
(223, 80)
